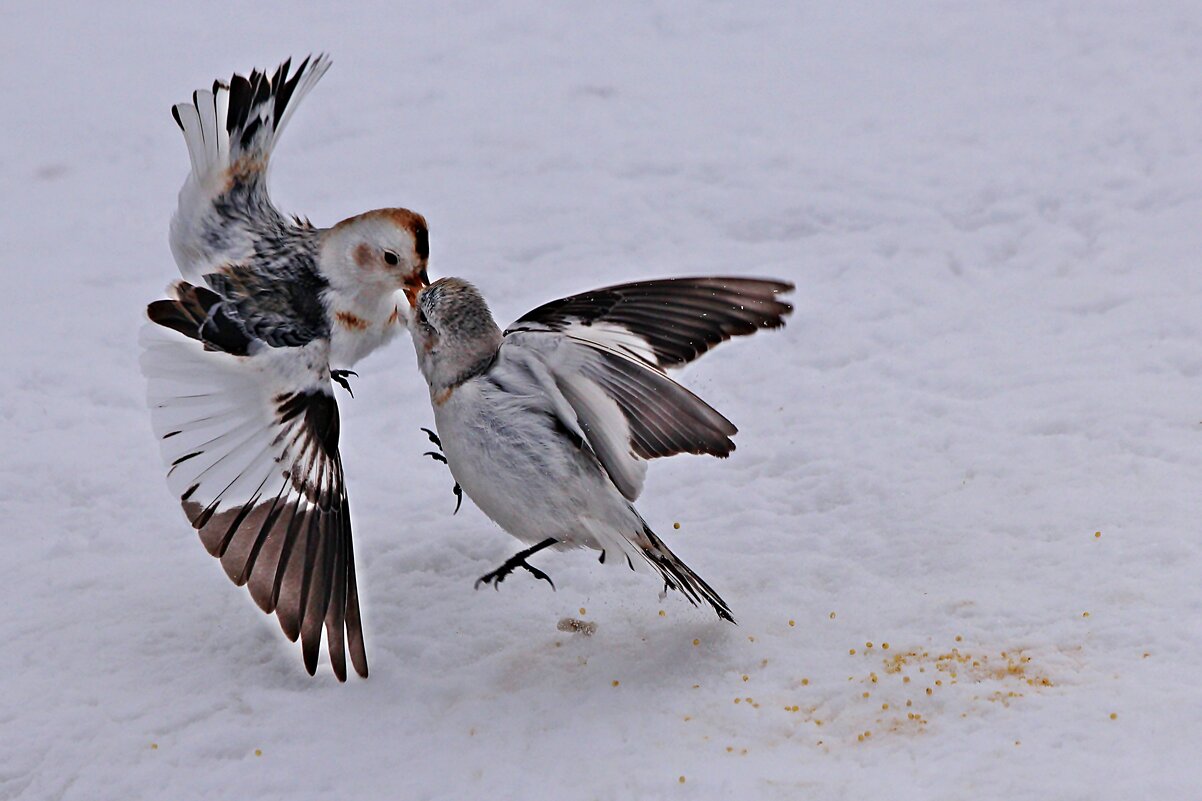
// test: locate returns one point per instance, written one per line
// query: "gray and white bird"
(548, 425)
(240, 361)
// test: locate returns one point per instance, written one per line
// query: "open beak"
(415, 284)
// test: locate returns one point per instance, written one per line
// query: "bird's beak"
(416, 283)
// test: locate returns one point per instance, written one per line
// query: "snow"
(991, 211)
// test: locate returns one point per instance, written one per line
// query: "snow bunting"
(240, 363)
(548, 425)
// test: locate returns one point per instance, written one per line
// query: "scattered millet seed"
(738, 700)
(616, 682)
(905, 679)
(959, 638)
(662, 613)
(746, 677)
(582, 610)
(832, 615)
(804, 682)
(1085, 614)
(792, 623)
(676, 525)
(884, 706)
(258, 752)
(867, 645)
(885, 645)
(1097, 535)
(851, 651)
(154, 746)
(909, 703)
(682, 779)
(696, 643)
(1114, 715)
(929, 691)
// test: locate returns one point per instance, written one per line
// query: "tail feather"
(200, 314)
(243, 118)
(679, 576)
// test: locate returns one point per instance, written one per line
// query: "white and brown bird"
(240, 363)
(548, 425)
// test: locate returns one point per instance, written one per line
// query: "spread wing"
(250, 437)
(665, 322)
(606, 351)
(225, 215)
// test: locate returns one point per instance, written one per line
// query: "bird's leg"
(518, 560)
(341, 377)
(438, 456)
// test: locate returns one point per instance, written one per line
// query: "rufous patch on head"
(364, 255)
(352, 321)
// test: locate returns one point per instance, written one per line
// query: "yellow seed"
(929, 691)
(792, 623)
(905, 679)
(938, 683)
(676, 525)
(867, 645)
(959, 638)
(1114, 715)
(688, 717)
(818, 722)
(696, 642)
(582, 610)
(154, 746)
(884, 706)
(866, 694)
(851, 651)
(885, 645)
(745, 677)
(1097, 535)
(682, 779)
(860, 737)
(804, 682)
(258, 752)
(1085, 614)
(796, 708)
(730, 749)
(662, 613)
(909, 703)
(832, 615)
(867, 734)
(749, 637)
(1016, 742)
(738, 700)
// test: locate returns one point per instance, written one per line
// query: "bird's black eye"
(391, 257)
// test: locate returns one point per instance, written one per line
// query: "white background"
(993, 215)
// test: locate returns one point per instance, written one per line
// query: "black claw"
(436, 456)
(340, 376)
(458, 490)
(433, 437)
(518, 560)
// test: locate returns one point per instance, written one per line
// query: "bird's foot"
(439, 456)
(514, 562)
(341, 376)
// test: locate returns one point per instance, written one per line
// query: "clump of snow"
(991, 212)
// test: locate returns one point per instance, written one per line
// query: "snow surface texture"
(993, 213)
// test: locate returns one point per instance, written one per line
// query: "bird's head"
(453, 332)
(376, 253)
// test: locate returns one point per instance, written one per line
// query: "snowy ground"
(993, 213)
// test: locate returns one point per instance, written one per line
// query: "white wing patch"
(251, 448)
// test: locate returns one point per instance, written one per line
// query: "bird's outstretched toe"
(514, 562)
(342, 377)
